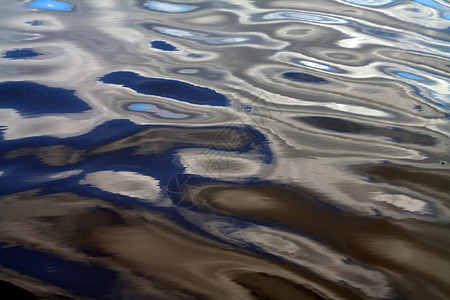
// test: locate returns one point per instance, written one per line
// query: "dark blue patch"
(173, 89)
(161, 45)
(21, 53)
(303, 77)
(27, 171)
(377, 32)
(196, 55)
(36, 23)
(86, 280)
(32, 99)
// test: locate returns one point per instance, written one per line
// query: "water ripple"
(225, 149)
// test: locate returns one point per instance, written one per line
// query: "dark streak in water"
(15, 292)
(397, 135)
(414, 178)
(303, 77)
(21, 53)
(162, 45)
(167, 88)
(32, 99)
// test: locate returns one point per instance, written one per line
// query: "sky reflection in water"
(183, 150)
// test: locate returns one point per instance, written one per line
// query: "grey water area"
(224, 149)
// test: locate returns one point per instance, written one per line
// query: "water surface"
(225, 149)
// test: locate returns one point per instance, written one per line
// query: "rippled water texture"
(225, 149)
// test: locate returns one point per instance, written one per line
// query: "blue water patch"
(50, 5)
(36, 22)
(141, 107)
(430, 3)
(162, 45)
(303, 77)
(86, 280)
(378, 32)
(21, 53)
(157, 111)
(31, 99)
(26, 170)
(410, 76)
(173, 89)
(168, 7)
(196, 55)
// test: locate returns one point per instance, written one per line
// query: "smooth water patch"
(21, 53)
(50, 5)
(173, 89)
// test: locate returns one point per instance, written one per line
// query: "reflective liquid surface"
(225, 149)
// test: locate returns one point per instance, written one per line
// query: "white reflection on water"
(168, 7)
(370, 2)
(403, 202)
(358, 110)
(303, 16)
(50, 125)
(126, 183)
(176, 32)
(295, 248)
(65, 174)
(221, 165)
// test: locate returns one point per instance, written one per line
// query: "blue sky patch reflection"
(154, 109)
(169, 7)
(50, 5)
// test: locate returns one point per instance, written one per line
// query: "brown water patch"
(373, 241)
(398, 135)
(148, 249)
(157, 140)
(146, 142)
(57, 155)
(263, 286)
(178, 263)
(413, 178)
